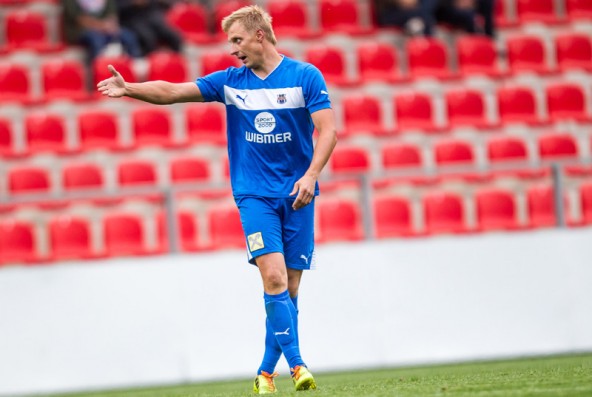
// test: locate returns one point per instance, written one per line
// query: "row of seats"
(123, 170)
(51, 131)
(118, 231)
(455, 152)
(25, 28)
(376, 61)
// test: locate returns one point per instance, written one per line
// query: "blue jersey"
(269, 126)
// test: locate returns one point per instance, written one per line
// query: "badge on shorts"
(255, 241)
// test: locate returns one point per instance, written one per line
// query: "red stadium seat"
(98, 129)
(191, 19)
(55, 86)
(331, 61)
(517, 105)
(188, 232)
(392, 216)
(136, 173)
(427, 57)
(496, 209)
(45, 132)
(453, 152)
(350, 159)
(167, 66)
(15, 83)
(152, 125)
(401, 155)
(541, 206)
(527, 54)
(6, 138)
(206, 123)
(82, 176)
(444, 213)
(557, 146)
(414, 111)
(540, 11)
(567, 101)
(226, 230)
(26, 29)
(70, 237)
(213, 61)
(28, 180)
(477, 55)
(338, 220)
(378, 62)
(291, 19)
(466, 107)
(124, 234)
(579, 9)
(123, 64)
(585, 191)
(573, 51)
(506, 149)
(17, 242)
(363, 114)
(189, 169)
(341, 16)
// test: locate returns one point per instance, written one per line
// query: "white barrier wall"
(185, 318)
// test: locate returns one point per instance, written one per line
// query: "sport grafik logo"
(264, 122)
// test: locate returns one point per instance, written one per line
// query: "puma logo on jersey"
(283, 332)
(241, 98)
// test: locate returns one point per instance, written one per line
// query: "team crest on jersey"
(281, 99)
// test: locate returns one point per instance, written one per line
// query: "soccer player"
(273, 104)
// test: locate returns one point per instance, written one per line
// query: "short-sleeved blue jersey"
(269, 127)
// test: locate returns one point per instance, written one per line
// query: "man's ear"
(260, 35)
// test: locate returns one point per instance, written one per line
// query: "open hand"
(114, 86)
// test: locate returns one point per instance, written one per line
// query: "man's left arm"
(324, 122)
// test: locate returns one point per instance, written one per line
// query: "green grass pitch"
(569, 376)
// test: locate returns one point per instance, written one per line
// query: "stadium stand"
(456, 133)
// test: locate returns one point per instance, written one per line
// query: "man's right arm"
(157, 92)
(163, 92)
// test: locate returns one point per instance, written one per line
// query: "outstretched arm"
(158, 92)
(324, 121)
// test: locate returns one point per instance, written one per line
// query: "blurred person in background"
(273, 105)
(94, 24)
(415, 17)
(471, 16)
(147, 19)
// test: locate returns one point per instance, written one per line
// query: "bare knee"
(273, 273)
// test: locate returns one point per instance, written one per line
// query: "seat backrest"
(136, 173)
(151, 126)
(392, 216)
(77, 176)
(443, 212)
(168, 66)
(45, 132)
(28, 180)
(496, 209)
(350, 159)
(70, 237)
(98, 129)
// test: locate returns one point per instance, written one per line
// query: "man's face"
(246, 46)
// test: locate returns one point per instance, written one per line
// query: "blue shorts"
(271, 225)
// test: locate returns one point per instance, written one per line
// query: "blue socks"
(281, 331)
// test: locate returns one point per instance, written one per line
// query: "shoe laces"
(269, 379)
(296, 372)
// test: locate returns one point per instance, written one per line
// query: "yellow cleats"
(302, 378)
(264, 383)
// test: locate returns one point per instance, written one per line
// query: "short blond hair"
(252, 18)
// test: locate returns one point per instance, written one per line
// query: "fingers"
(114, 72)
(303, 199)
